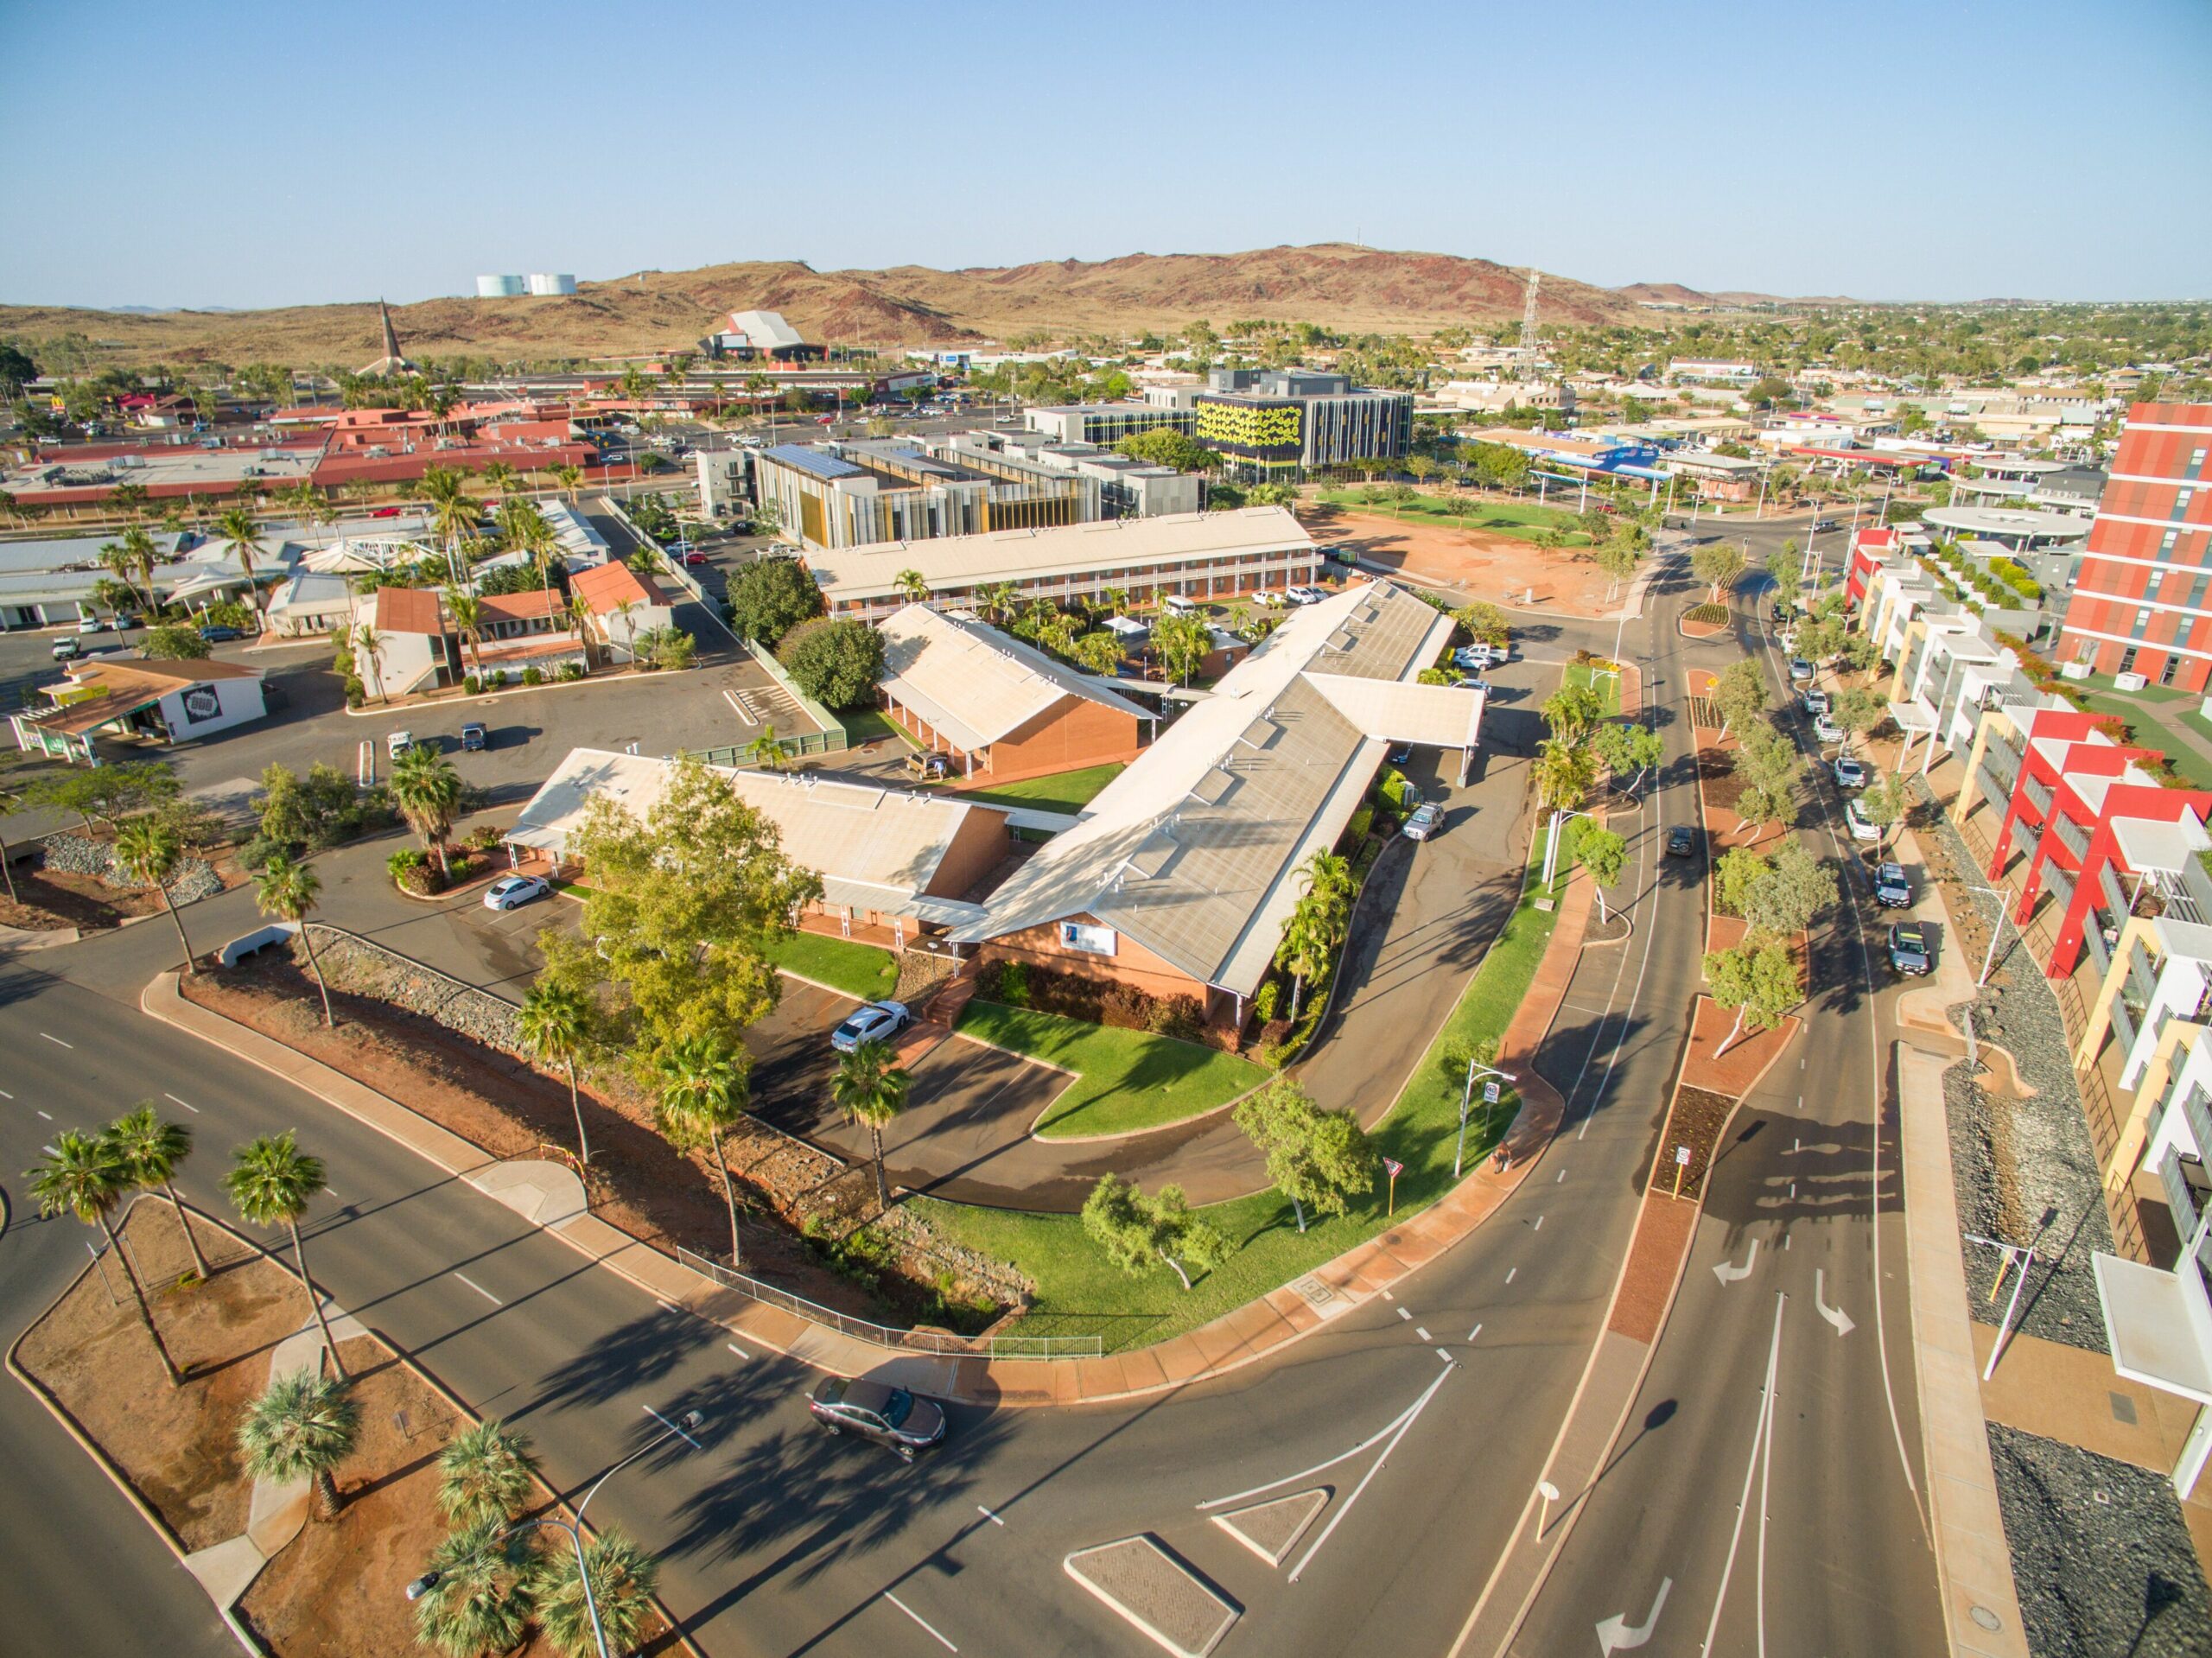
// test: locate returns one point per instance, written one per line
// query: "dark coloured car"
(1892, 886)
(890, 1416)
(216, 634)
(1909, 949)
(1681, 840)
(474, 736)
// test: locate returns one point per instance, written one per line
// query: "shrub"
(1264, 1000)
(1176, 1016)
(1126, 1008)
(473, 684)
(571, 671)
(410, 869)
(356, 692)
(486, 837)
(498, 681)
(835, 662)
(1011, 987)
(1705, 613)
(1363, 821)
(533, 675)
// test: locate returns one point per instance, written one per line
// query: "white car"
(512, 892)
(878, 1021)
(1306, 595)
(1268, 598)
(398, 742)
(1827, 729)
(92, 624)
(1861, 826)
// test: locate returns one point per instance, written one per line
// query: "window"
(2173, 666)
(2127, 661)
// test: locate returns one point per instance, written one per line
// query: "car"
(91, 623)
(1826, 730)
(1862, 827)
(1472, 682)
(512, 892)
(877, 1021)
(1800, 669)
(1268, 598)
(1822, 526)
(695, 558)
(68, 649)
(929, 768)
(216, 633)
(1909, 949)
(825, 419)
(1306, 595)
(1473, 656)
(1813, 702)
(398, 742)
(1849, 773)
(1425, 820)
(890, 1417)
(128, 620)
(1681, 840)
(474, 736)
(1400, 755)
(385, 512)
(1892, 886)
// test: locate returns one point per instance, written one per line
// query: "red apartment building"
(2086, 815)
(2141, 604)
(1870, 549)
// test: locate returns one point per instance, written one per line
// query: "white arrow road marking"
(1835, 1315)
(1728, 1274)
(1614, 1634)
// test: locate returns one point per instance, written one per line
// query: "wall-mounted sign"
(1098, 941)
(200, 703)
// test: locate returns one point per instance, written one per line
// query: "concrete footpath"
(548, 1195)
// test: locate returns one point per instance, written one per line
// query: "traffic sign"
(1396, 1168)
(1489, 1093)
(1683, 1155)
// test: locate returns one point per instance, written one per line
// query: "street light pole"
(1996, 932)
(1466, 1098)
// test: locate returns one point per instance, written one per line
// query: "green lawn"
(1608, 686)
(871, 725)
(1063, 791)
(2153, 720)
(1525, 523)
(1126, 1080)
(861, 970)
(1080, 1294)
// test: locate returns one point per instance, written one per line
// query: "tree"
(87, 1175)
(1485, 623)
(152, 1149)
(772, 597)
(1162, 448)
(149, 850)
(486, 1472)
(370, 643)
(243, 536)
(1717, 564)
(1738, 872)
(1740, 694)
(427, 791)
(623, 1579)
(913, 584)
(557, 1027)
(1884, 805)
(836, 663)
(111, 793)
(1618, 559)
(302, 1427)
(483, 1590)
(1097, 653)
(271, 1183)
(288, 891)
(570, 477)
(172, 642)
(705, 1086)
(1859, 709)
(1134, 1230)
(1183, 643)
(1316, 1157)
(1787, 568)
(1572, 711)
(468, 613)
(1770, 766)
(1564, 775)
(1758, 983)
(870, 1088)
(1627, 750)
(1605, 854)
(1789, 893)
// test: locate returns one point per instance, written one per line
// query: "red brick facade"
(2143, 601)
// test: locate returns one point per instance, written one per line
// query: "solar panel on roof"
(812, 460)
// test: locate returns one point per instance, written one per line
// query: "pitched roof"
(408, 610)
(608, 586)
(520, 607)
(109, 689)
(973, 683)
(1194, 850)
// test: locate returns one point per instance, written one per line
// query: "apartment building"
(2143, 601)
(861, 493)
(1107, 424)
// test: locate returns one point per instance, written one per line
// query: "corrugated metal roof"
(802, 458)
(973, 683)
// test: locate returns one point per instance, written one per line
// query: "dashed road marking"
(1539, 1226)
(1476, 1332)
(919, 1619)
(48, 1115)
(1403, 1313)
(479, 1289)
(186, 1104)
(5, 1094)
(58, 1042)
(1562, 1175)
(989, 1516)
(740, 1352)
(1423, 1334)
(1510, 1272)
(1445, 1356)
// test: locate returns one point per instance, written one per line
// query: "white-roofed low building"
(999, 709)
(1178, 878)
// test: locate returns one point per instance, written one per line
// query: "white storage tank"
(540, 282)
(500, 287)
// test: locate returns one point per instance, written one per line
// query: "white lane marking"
(58, 1042)
(1476, 1332)
(1835, 1315)
(1423, 1334)
(328, 1193)
(1539, 1226)
(1562, 1175)
(1445, 1356)
(1403, 1313)
(919, 1619)
(1509, 1271)
(740, 1352)
(48, 1115)
(1379, 1434)
(1729, 1275)
(1758, 1441)
(1797, 1145)
(1785, 1239)
(1616, 1634)
(5, 1094)
(186, 1104)
(1381, 1462)
(989, 1516)
(1388, 1296)
(479, 1289)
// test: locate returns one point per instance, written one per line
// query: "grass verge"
(1063, 791)
(1126, 1081)
(1080, 1294)
(1499, 518)
(861, 970)
(1608, 686)
(871, 725)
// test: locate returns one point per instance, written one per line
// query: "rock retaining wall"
(75, 854)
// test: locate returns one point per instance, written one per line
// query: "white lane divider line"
(1423, 1334)
(58, 1042)
(1445, 1356)
(1476, 1332)
(186, 1104)
(1562, 1175)
(1539, 1226)
(48, 1115)
(989, 1516)
(479, 1289)
(5, 1094)
(1509, 1271)
(1403, 1313)
(1381, 1462)
(919, 1619)
(740, 1352)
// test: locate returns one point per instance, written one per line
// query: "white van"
(1176, 605)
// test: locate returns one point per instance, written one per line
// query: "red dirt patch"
(1480, 563)
(1736, 1072)
(1654, 1260)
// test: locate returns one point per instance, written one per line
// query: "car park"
(1862, 827)
(877, 1021)
(1826, 730)
(1425, 819)
(1849, 773)
(1909, 952)
(512, 892)
(398, 742)
(474, 736)
(1892, 886)
(890, 1417)
(1800, 669)
(1681, 840)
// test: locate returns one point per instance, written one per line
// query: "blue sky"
(200, 154)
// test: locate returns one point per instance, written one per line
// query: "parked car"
(1306, 595)
(1800, 669)
(1909, 949)
(890, 1417)
(1268, 598)
(216, 634)
(1826, 730)
(91, 623)
(474, 736)
(1473, 682)
(398, 742)
(879, 1021)
(1400, 755)
(1681, 840)
(1474, 657)
(1814, 701)
(67, 649)
(1176, 605)
(1426, 820)
(929, 768)
(128, 620)
(1892, 886)
(512, 892)
(1849, 773)
(1862, 827)
(695, 558)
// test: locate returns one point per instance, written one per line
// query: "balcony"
(2039, 795)
(2071, 835)
(2184, 1182)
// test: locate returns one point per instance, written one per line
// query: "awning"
(2159, 1325)
(1913, 716)
(2161, 848)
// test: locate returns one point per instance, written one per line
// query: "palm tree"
(483, 1590)
(243, 536)
(302, 1428)
(570, 477)
(138, 544)
(85, 1175)
(626, 611)
(468, 613)
(453, 513)
(623, 1579)
(1113, 601)
(913, 584)
(370, 644)
(272, 1180)
(486, 1472)
(427, 791)
(704, 1089)
(151, 850)
(288, 891)
(1564, 774)
(151, 1150)
(871, 1089)
(556, 1028)
(501, 476)
(1305, 951)
(117, 563)
(766, 749)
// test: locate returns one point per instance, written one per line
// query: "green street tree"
(870, 1088)
(149, 850)
(152, 1149)
(486, 1472)
(706, 1083)
(1572, 712)
(302, 1427)
(1884, 804)
(110, 793)
(288, 891)
(271, 1183)
(1161, 448)
(1859, 709)
(1787, 567)
(1135, 1229)
(1790, 892)
(558, 1027)
(1627, 751)
(1605, 854)
(1484, 623)
(427, 791)
(1738, 873)
(772, 597)
(1770, 766)
(1316, 1157)
(1740, 694)
(1564, 775)
(172, 642)
(836, 663)
(1758, 983)
(88, 1175)
(1717, 564)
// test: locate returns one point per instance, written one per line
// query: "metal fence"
(930, 1341)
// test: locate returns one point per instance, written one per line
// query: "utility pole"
(1528, 324)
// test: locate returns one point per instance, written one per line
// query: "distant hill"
(1732, 299)
(1334, 284)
